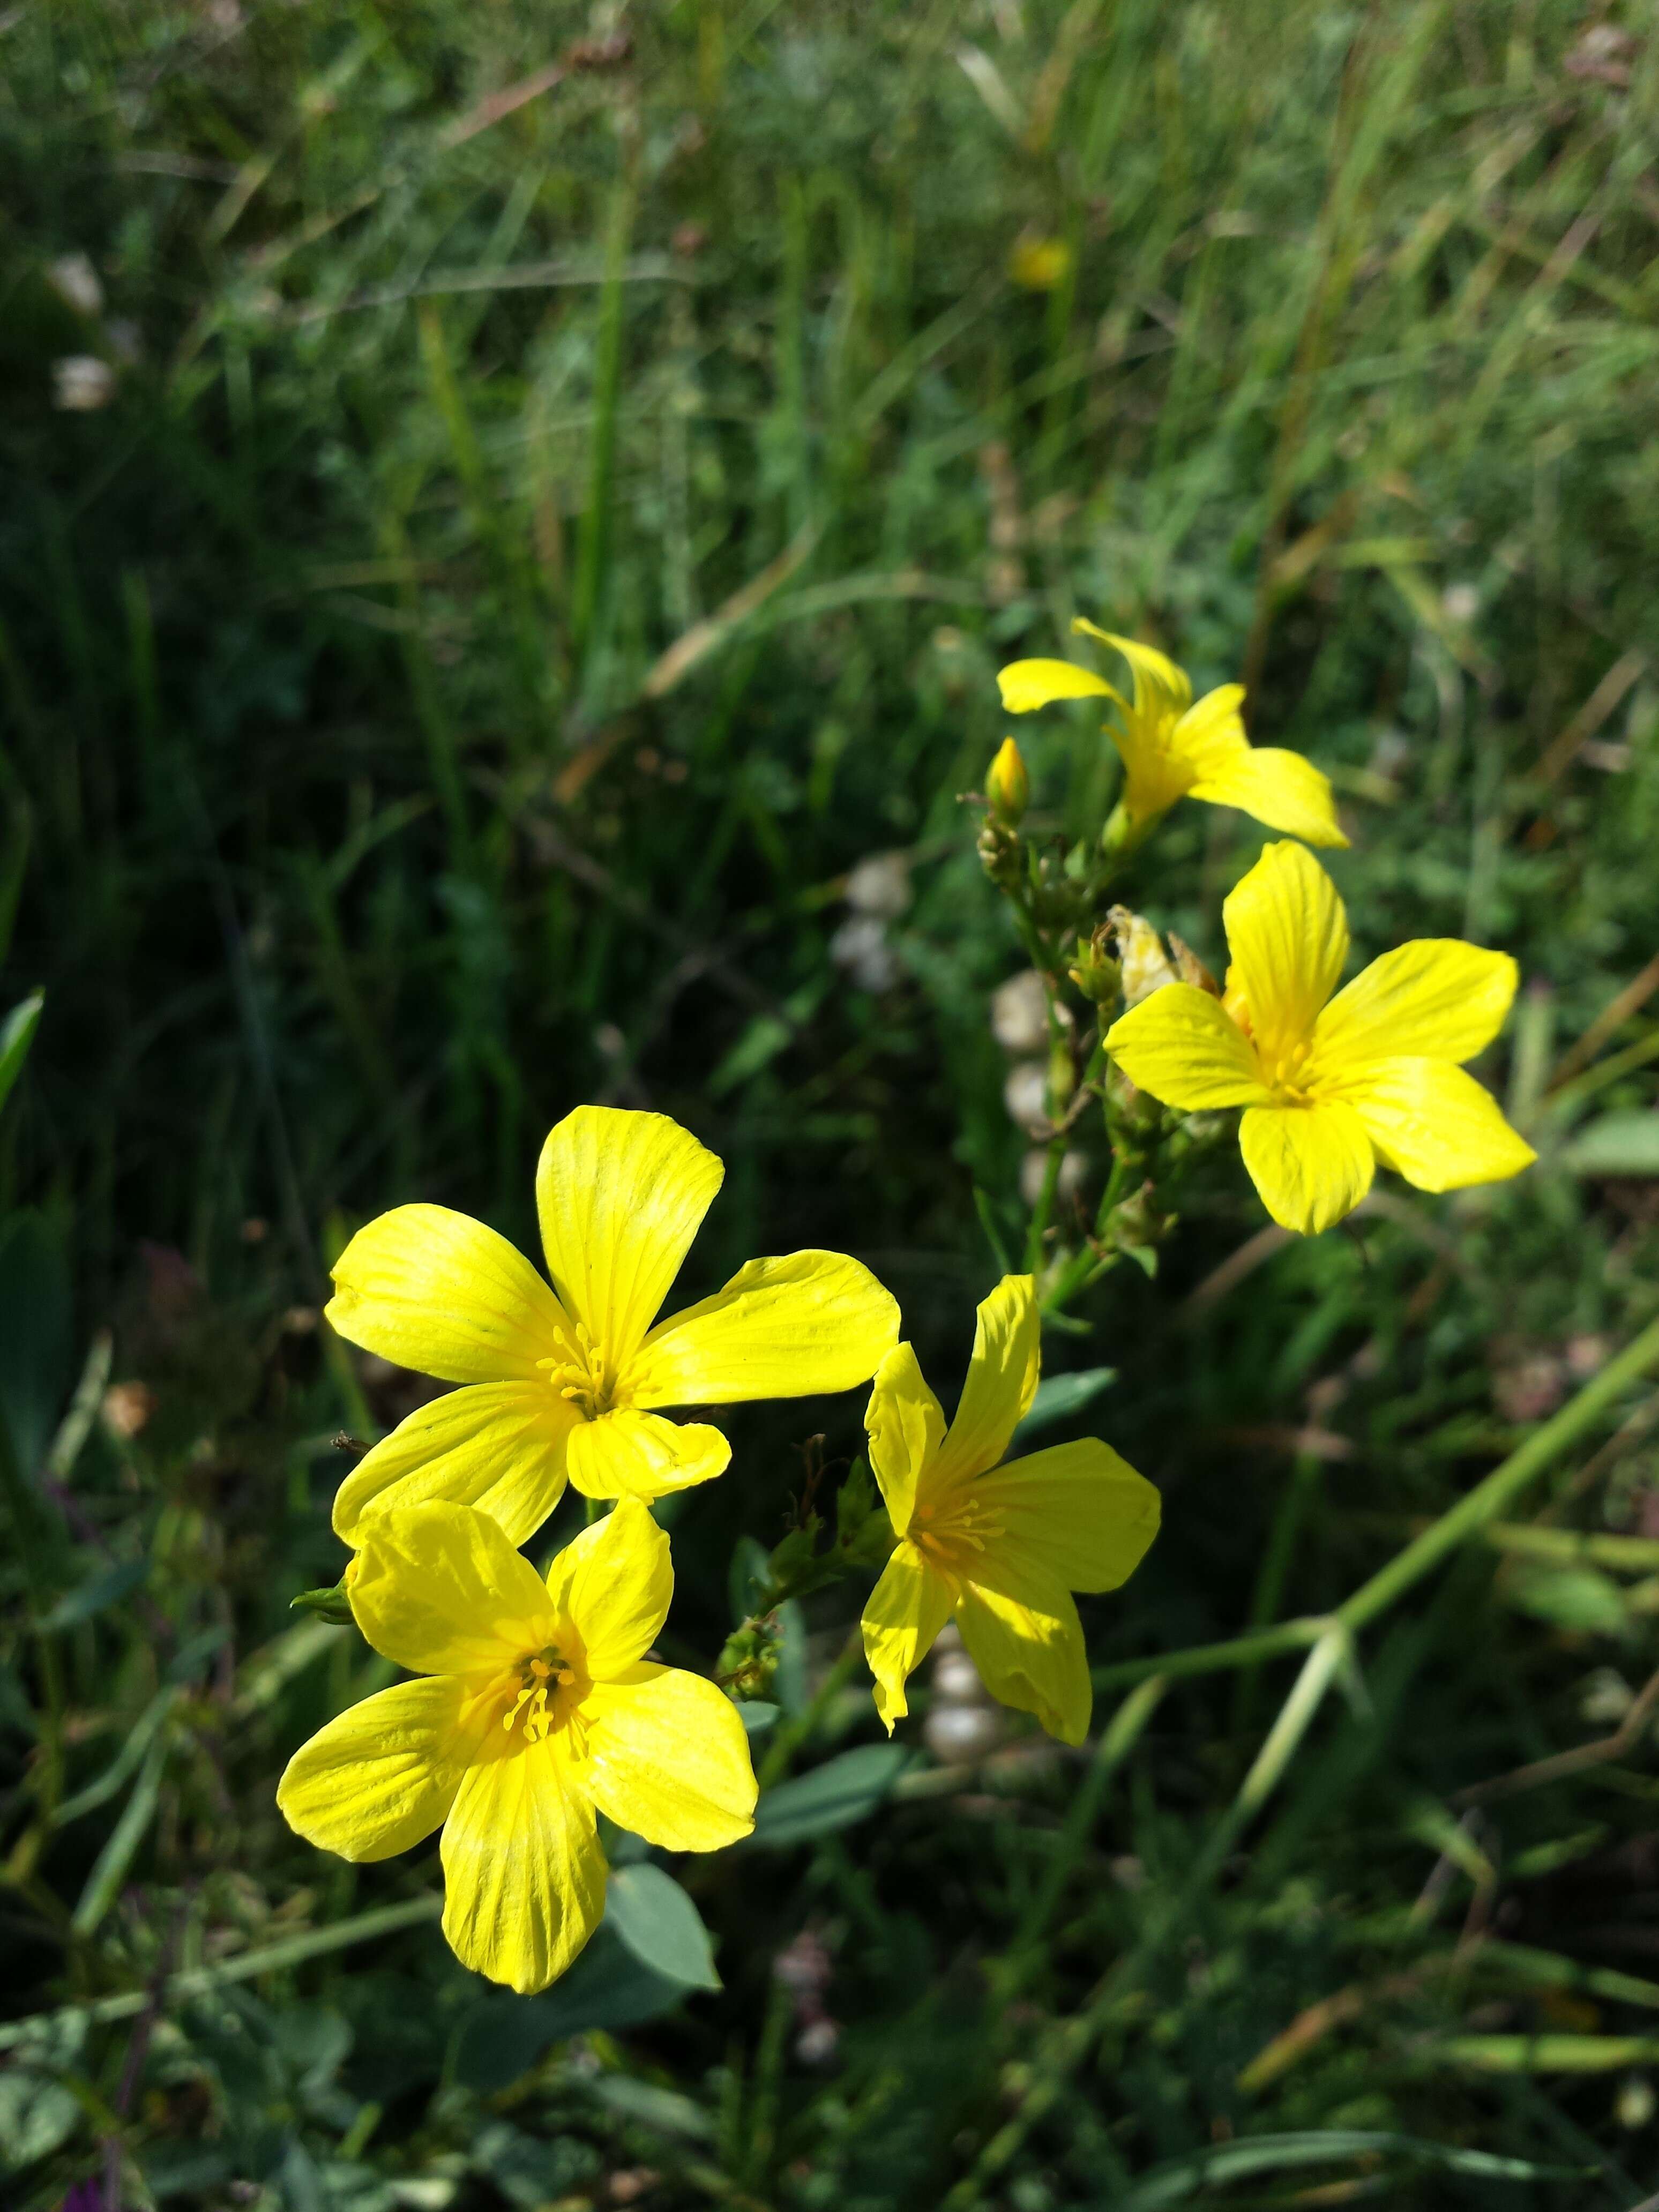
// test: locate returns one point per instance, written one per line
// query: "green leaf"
(757, 1716)
(1177, 2183)
(1575, 1597)
(1617, 1144)
(661, 1926)
(528, 2171)
(36, 1335)
(37, 2116)
(501, 2037)
(97, 1593)
(841, 1791)
(1058, 1396)
(664, 2111)
(16, 1036)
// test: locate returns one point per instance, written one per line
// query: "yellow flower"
(563, 1383)
(1039, 264)
(1002, 1548)
(1331, 1086)
(534, 1712)
(1174, 750)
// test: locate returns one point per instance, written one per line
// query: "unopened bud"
(1007, 785)
(1146, 966)
(1096, 973)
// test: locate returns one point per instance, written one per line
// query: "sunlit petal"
(1002, 1382)
(1289, 938)
(440, 1589)
(1311, 1165)
(1435, 997)
(907, 1609)
(631, 1455)
(1031, 1655)
(620, 1195)
(523, 1876)
(1436, 1124)
(906, 1428)
(1160, 688)
(667, 1758)
(1026, 684)
(498, 1446)
(439, 1293)
(785, 1328)
(1283, 789)
(613, 1582)
(1183, 1047)
(382, 1775)
(1077, 1513)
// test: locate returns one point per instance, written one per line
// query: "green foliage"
(535, 546)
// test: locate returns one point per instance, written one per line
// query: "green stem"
(789, 1738)
(1275, 1570)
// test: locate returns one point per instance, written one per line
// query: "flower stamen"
(583, 1379)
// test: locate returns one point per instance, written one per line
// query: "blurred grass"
(539, 541)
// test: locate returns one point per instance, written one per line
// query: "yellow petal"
(1283, 789)
(383, 1775)
(1311, 1165)
(629, 1455)
(1289, 937)
(906, 1428)
(1211, 731)
(621, 1196)
(907, 1609)
(1002, 1382)
(440, 1589)
(1029, 683)
(499, 1446)
(613, 1583)
(523, 1876)
(1435, 1124)
(667, 1759)
(438, 1291)
(1030, 1656)
(1160, 688)
(785, 1328)
(1077, 1513)
(1436, 998)
(1184, 1047)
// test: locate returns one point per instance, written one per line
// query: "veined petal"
(1311, 1165)
(1160, 688)
(907, 1609)
(631, 1455)
(1436, 1124)
(906, 1428)
(1184, 1047)
(1026, 684)
(1289, 938)
(1436, 998)
(1077, 1512)
(523, 1876)
(613, 1583)
(785, 1327)
(1002, 1382)
(1211, 731)
(498, 1446)
(438, 1291)
(667, 1759)
(382, 1775)
(1030, 1656)
(440, 1589)
(1283, 789)
(621, 1196)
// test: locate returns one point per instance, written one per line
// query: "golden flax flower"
(566, 1383)
(533, 1712)
(1001, 1548)
(1331, 1086)
(1172, 749)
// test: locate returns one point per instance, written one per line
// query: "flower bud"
(1146, 966)
(1007, 786)
(1096, 973)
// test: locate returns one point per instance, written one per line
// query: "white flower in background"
(74, 280)
(81, 383)
(1073, 1167)
(1019, 1013)
(880, 885)
(1025, 1095)
(878, 890)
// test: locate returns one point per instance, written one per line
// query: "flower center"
(953, 1534)
(1287, 1077)
(582, 1378)
(540, 1706)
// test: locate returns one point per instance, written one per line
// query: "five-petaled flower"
(1331, 1086)
(535, 1711)
(1002, 1548)
(1173, 749)
(565, 1383)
